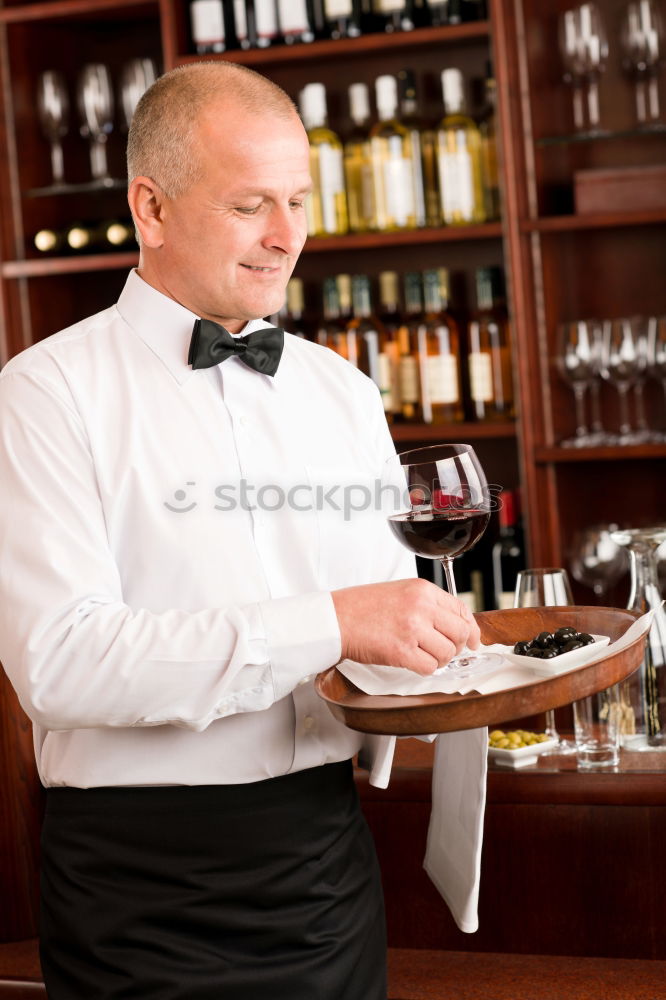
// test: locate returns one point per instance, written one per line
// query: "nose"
(286, 231)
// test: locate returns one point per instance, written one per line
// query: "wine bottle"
(343, 18)
(358, 163)
(489, 359)
(333, 331)
(372, 343)
(326, 207)
(395, 14)
(438, 343)
(291, 317)
(51, 241)
(389, 351)
(243, 37)
(208, 28)
(266, 23)
(487, 128)
(439, 12)
(508, 552)
(295, 26)
(459, 157)
(409, 390)
(423, 140)
(392, 166)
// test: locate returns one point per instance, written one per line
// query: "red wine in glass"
(439, 534)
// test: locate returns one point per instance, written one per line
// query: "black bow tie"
(211, 344)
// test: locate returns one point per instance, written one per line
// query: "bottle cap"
(45, 240)
(312, 101)
(77, 237)
(359, 103)
(507, 511)
(386, 94)
(453, 90)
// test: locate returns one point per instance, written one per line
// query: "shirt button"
(308, 723)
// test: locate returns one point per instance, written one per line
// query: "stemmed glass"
(570, 50)
(594, 54)
(642, 39)
(597, 561)
(577, 362)
(655, 348)
(136, 76)
(623, 361)
(448, 508)
(53, 111)
(540, 588)
(95, 101)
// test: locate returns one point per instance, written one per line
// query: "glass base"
(590, 757)
(472, 662)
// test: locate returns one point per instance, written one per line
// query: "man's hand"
(404, 623)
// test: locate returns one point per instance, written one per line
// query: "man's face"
(230, 243)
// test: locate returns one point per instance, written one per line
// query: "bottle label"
(265, 17)
(337, 8)
(207, 21)
(384, 381)
(481, 377)
(240, 20)
(293, 17)
(441, 372)
(398, 184)
(456, 180)
(408, 379)
(331, 183)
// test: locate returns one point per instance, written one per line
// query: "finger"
(439, 646)
(474, 636)
(420, 661)
(453, 627)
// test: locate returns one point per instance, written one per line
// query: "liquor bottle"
(266, 23)
(489, 359)
(332, 332)
(392, 167)
(487, 128)
(358, 163)
(438, 344)
(389, 355)
(208, 28)
(295, 26)
(396, 15)
(423, 141)
(508, 551)
(375, 350)
(459, 157)
(245, 38)
(343, 18)
(409, 390)
(291, 317)
(326, 207)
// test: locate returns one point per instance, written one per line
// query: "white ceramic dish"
(523, 756)
(563, 662)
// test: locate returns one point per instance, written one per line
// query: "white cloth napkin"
(455, 832)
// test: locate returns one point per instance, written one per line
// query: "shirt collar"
(164, 325)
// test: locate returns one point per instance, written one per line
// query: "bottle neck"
(645, 593)
(361, 299)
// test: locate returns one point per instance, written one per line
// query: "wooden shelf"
(368, 241)
(71, 8)
(605, 220)
(44, 266)
(452, 432)
(344, 48)
(612, 454)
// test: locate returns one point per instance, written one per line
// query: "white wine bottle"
(489, 359)
(459, 157)
(409, 389)
(358, 162)
(438, 343)
(424, 153)
(326, 207)
(292, 315)
(295, 26)
(207, 22)
(487, 127)
(392, 162)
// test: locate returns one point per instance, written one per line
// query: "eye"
(248, 210)
(296, 204)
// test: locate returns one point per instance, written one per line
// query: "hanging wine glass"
(95, 101)
(136, 76)
(597, 561)
(594, 55)
(448, 508)
(642, 39)
(53, 112)
(570, 51)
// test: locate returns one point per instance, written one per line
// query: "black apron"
(263, 891)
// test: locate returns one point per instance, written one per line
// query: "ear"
(146, 202)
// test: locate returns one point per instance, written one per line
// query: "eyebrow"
(261, 192)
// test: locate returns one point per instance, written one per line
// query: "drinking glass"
(597, 561)
(540, 588)
(95, 101)
(136, 76)
(577, 363)
(623, 360)
(593, 45)
(53, 111)
(449, 504)
(642, 40)
(655, 347)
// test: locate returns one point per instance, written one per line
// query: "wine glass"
(569, 41)
(540, 588)
(642, 39)
(655, 346)
(95, 101)
(593, 45)
(136, 76)
(623, 358)
(53, 111)
(449, 504)
(597, 561)
(577, 364)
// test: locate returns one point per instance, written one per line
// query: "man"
(165, 608)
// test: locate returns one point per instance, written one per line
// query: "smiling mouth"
(252, 267)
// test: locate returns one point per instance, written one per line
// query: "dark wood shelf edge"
(68, 8)
(605, 220)
(344, 47)
(42, 267)
(452, 432)
(544, 456)
(368, 241)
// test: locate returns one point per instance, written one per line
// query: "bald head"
(162, 141)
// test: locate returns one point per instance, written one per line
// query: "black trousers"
(266, 891)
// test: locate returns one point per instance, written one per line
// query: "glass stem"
(597, 423)
(653, 97)
(579, 120)
(57, 163)
(593, 102)
(550, 725)
(579, 396)
(641, 421)
(447, 565)
(625, 426)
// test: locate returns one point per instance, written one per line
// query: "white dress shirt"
(162, 622)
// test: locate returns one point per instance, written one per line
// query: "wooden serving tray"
(413, 715)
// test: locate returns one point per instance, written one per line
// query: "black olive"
(572, 644)
(549, 653)
(543, 640)
(522, 647)
(535, 652)
(563, 634)
(585, 638)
